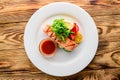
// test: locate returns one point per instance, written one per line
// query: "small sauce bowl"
(47, 47)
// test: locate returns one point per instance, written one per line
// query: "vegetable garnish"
(60, 29)
(64, 33)
(75, 29)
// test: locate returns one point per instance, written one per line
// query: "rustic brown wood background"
(14, 63)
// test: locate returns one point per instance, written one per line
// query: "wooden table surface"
(14, 63)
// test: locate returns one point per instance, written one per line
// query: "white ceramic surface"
(63, 63)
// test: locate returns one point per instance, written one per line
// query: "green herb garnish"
(60, 29)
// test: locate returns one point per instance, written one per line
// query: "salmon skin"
(69, 45)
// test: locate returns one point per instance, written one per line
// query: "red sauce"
(48, 47)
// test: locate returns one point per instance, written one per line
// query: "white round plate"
(63, 63)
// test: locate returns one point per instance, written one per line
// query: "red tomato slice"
(72, 36)
(75, 28)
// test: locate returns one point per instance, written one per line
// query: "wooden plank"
(11, 35)
(23, 13)
(103, 74)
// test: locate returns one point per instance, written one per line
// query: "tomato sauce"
(48, 47)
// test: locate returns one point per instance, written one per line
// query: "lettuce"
(59, 27)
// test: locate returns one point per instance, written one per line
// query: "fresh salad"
(64, 33)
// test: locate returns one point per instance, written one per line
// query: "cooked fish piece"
(46, 29)
(69, 45)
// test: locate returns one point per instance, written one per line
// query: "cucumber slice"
(66, 50)
(60, 46)
(63, 48)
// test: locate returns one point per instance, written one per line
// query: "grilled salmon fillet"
(69, 45)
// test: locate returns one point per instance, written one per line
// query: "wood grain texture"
(14, 63)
